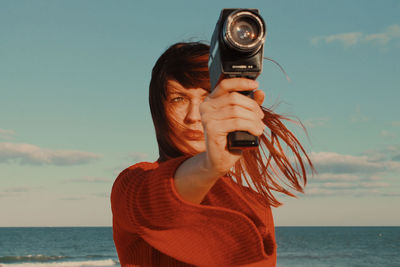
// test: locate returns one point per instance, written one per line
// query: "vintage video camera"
(237, 51)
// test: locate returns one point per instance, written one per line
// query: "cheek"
(175, 114)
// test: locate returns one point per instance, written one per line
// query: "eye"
(177, 99)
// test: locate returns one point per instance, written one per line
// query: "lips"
(193, 135)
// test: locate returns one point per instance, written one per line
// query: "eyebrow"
(181, 92)
(176, 92)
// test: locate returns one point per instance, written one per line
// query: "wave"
(94, 263)
(31, 258)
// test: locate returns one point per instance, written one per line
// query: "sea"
(297, 246)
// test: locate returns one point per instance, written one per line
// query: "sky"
(74, 111)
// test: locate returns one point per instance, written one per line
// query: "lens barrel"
(244, 31)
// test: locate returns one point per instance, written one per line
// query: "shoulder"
(136, 170)
(131, 175)
(143, 169)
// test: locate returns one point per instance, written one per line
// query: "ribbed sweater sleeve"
(145, 202)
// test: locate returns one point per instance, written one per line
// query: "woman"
(190, 207)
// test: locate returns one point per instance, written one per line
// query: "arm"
(223, 111)
(193, 179)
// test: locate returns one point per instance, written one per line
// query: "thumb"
(259, 97)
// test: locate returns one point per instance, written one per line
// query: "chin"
(196, 147)
(200, 147)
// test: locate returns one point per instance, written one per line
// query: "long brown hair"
(269, 167)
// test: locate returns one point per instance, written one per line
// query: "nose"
(193, 113)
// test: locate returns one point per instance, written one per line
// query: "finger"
(233, 99)
(233, 84)
(259, 97)
(232, 112)
(237, 124)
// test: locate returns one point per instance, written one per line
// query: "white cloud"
(388, 154)
(348, 189)
(396, 158)
(387, 134)
(393, 149)
(2, 131)
(338, 185)
(137, 157)
(370, 174)
(316, 122)
(34, 155)
(129, 160)
(18, 189)
(89, 179)
(102, 195)
(315, 191)
(392, 32)
(348, 38)
(395, 123)
(354, 192)
(331, 162)
(353, 38)
(375, 156)
(391, 194)
(335, 177)
(6, 134)
(374, 184)
(71, 198)
(357, 116)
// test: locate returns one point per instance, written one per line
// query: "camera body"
(236, 50)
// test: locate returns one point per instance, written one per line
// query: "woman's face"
(182, 109)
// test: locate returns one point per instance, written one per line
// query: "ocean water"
(57, 246)
(338, 246)
(297, 246)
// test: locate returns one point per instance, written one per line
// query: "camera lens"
(244, 31)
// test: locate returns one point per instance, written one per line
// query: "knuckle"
(234, 97)
(252, 102)
(259, 113)
(235, 111)
(257, 109)
(255, 105)
(223, 84)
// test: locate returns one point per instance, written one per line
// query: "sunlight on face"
(182, 109)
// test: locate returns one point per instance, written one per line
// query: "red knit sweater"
(154, 226)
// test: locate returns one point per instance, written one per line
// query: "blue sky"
(74, 112)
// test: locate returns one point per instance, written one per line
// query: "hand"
(225, 110)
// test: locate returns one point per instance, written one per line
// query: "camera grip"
(242, 139)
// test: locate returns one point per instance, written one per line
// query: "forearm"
(193, 179)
